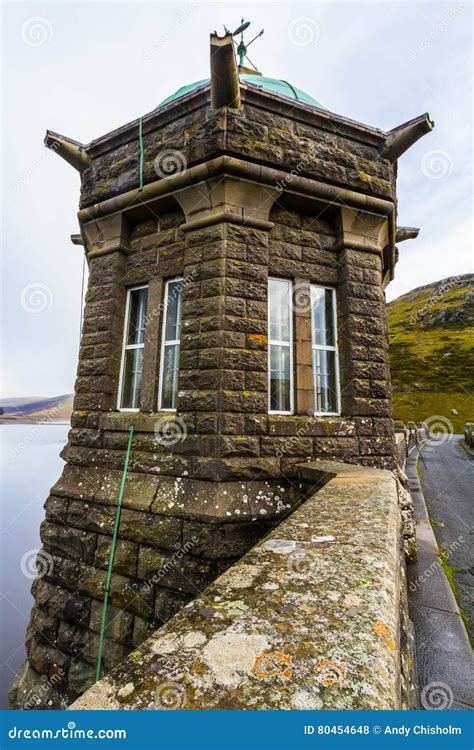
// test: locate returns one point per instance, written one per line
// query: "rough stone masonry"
(265, 185)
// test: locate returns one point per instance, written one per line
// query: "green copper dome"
(274, 85)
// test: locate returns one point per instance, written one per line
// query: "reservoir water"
(30, 465)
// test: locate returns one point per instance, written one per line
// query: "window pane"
(170, 352)
(173, 310)
(169, 386)
(324, 373)
(279, 310)
(132, 376)
(136, 316)
(279, 378)
(323, 318)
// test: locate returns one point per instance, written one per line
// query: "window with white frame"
(169, 369)
(325, 356)
(132, 351)
(280, 347)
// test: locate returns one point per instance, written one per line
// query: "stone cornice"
(227, 165)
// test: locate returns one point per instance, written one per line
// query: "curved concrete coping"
(307, 619)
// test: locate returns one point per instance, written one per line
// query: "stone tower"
(239, 239)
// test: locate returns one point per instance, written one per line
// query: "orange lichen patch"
(272, 664)
(331, 673)
(260, 337)
(384, 633)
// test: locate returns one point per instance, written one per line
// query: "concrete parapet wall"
(309, 618)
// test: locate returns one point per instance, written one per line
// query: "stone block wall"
(325, 149)
(195, 506)
(175, 537)
(222, 401)
(266, 129)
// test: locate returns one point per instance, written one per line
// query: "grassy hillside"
(431, 351)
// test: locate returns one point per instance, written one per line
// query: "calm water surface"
(30, 465)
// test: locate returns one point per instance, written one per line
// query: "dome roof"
(274, 85)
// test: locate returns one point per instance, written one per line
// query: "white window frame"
(126, 346)
(275, 342)
(170, 342)
(328, 349)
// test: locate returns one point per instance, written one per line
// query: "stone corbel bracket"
(227, 198)
(109, 234)
(370, 233)
(360, 230)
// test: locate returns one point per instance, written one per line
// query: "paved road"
(448, 486)
(444, 657)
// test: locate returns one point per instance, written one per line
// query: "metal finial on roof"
(242, 47)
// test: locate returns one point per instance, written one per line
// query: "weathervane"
(242, 47)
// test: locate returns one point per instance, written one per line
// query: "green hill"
(431, 351)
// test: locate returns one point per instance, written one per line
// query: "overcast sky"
(85, 68)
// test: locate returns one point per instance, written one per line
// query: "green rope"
(140, 141)
(112, 555)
